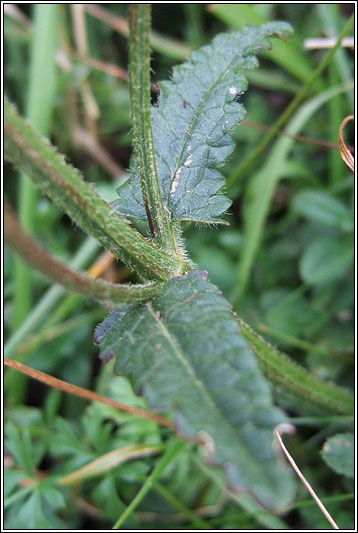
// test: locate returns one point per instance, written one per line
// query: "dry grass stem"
(304, 480)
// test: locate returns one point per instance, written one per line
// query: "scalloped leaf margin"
(192, 124)
(183, 351)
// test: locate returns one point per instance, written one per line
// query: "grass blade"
(262, 185)
(39, 109)
(171, 452)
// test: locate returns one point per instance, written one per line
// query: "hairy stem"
(139, 75)
(64, 185)
(42, 311)
(38, 257)
(295, 379)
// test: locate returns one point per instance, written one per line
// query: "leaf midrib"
(194, 119)
(204, 393)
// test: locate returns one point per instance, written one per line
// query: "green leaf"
(325, 260)
(19, 445)
(184, 351)
(290, 56)
(322, 207)
(31, 515)
(106, 497)
(11, 479)
(53, 496)
(192, 122)
(338, 452)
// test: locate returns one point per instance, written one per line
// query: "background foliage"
(288, 274)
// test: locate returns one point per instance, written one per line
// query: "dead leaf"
(345, 153)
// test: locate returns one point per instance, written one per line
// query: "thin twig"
(301, 138)
(81, 136)
(319, 44)
(113, 70)
(304, 481)
(117, 23)
(85, 393)
(98, 64)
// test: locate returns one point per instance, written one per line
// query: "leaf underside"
(183, 351)
(192, 124)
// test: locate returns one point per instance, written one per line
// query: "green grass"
(291, 217)
(39, 109)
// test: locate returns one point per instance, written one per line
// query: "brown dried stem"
(34, 254)
(85, 393)
(301, 476)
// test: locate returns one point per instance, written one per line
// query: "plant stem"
(44, 307)
(39, 107)
(244, 167)
(75, 390)
(171, 452)
(38, 257)
(64, 185)
(139, 76)
(295, 379)
(305, 345)
(305, 482)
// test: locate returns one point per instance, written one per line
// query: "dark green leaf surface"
(184, 350)
(192, 122)
(338, 452)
